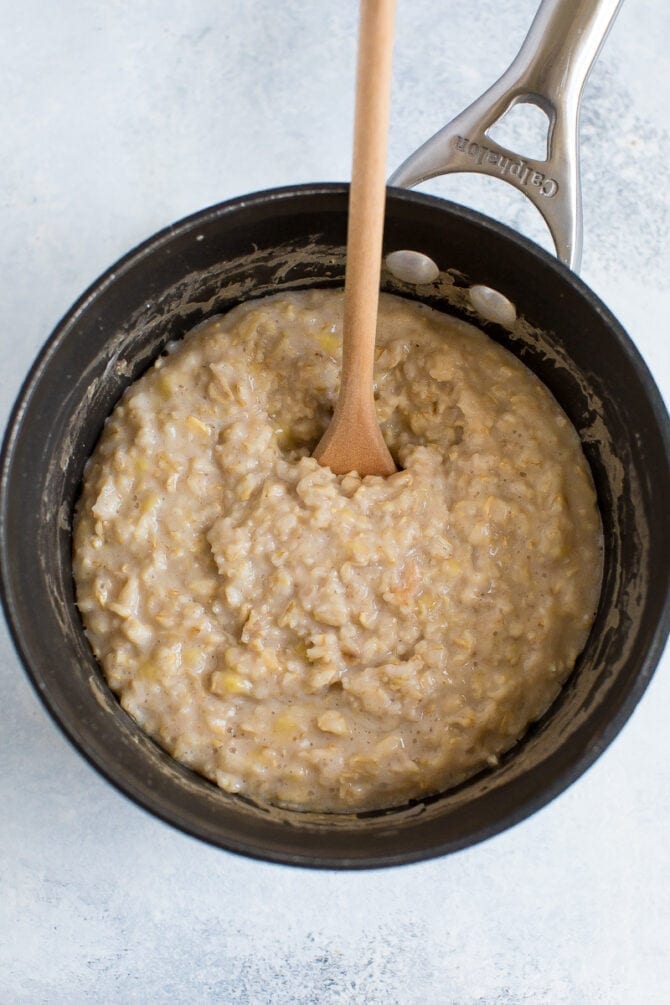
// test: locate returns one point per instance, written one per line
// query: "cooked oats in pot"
(329, 642)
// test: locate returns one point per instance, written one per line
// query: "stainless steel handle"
(549, 71)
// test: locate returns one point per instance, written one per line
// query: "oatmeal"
(329, 642)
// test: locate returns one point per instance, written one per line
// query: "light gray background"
(117, 118)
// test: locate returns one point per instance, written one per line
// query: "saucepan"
(457, 261)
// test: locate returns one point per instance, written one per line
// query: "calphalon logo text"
(522, 172)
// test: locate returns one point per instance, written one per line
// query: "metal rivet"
(493, 306)
(412, 267)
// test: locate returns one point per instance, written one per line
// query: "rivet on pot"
(412, 267)
(493, 306)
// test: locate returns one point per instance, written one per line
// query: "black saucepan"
(287, 239)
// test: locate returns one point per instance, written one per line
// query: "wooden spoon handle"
(353, 440)
(367, 195)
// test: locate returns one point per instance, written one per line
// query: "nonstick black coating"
(285, 239)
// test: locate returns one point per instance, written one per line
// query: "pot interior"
(287, 240)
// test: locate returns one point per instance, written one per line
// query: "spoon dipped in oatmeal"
(353, 440)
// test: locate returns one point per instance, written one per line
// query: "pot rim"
(569, 770)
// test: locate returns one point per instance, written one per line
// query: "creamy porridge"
(326, 642)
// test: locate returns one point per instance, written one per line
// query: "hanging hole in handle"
(524, 128)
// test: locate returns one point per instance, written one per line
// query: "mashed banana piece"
(328, 642)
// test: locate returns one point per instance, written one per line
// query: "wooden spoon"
(353, 440)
